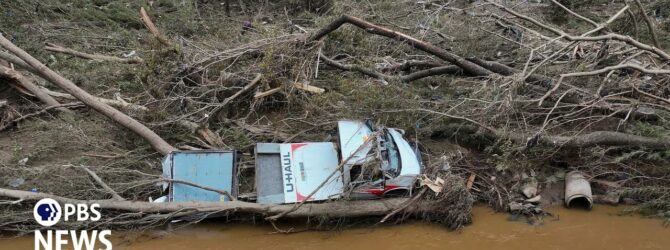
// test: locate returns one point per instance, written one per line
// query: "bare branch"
(601, 71)
(30, 86)
(42, 111)
(120, 104)
(238, 93)
(56, 48)
(156, 141)
(441, 70)
(650, 24)
(104, 185)
(467, 66)
(575, 14)
(152, 28)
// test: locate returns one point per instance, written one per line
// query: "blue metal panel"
(214, 169)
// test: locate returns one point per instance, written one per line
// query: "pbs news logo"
(48, 212)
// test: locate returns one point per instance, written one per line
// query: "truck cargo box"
(209, 168)
(289, 172)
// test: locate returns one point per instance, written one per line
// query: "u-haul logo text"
(288, 174)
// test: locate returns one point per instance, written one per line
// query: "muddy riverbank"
(506, 97)
(601, 228)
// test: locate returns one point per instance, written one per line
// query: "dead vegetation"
(491, 92)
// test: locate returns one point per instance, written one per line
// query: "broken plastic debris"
(529, 189)
(23, 161)
(535, 199)
(436, 185)
(159, 199)
(129, 54)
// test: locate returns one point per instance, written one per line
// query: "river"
(601, 228)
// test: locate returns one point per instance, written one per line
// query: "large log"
(337, 209)
(466, 65)
(152, 28)
(49, 93)
(17, 62)
(60, 49)
(119, 104)
(438, 70)
(30, 86)
(586, 140)
(470, 67)
(124, 120)
(605, 138)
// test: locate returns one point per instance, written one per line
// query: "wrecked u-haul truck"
(366, 162)
(375, 162)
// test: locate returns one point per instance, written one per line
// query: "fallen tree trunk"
(592, 139)
(468, 66)
(60, 49)
(650, 24)
(152, 28)
(23, 65)
(44, 94)
(440, 70)
(406, 66)
(34, 89)
(120, 104)
(451, 206)
(508, 71)
(336, 209)
(124, 120)
(17, 62)
(605, 138)
(347, 67)
(237, 94)
(584, 37)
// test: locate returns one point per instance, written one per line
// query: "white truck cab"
(374, 162)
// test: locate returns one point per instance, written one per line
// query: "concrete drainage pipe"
(577, 190)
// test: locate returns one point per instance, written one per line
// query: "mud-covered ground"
(212, 56)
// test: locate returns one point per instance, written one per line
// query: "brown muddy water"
(601, 228)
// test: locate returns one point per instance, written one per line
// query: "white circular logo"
(47, 212)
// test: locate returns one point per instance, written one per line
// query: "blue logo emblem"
(47, 212)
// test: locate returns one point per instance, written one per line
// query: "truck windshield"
(393, 154)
